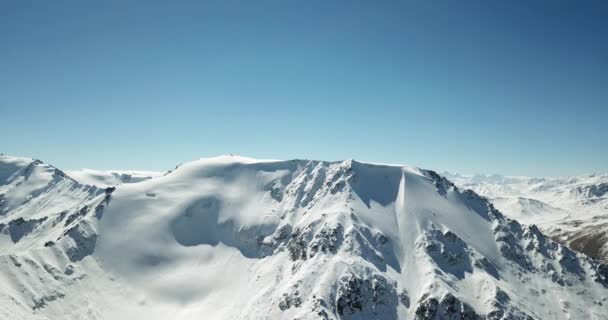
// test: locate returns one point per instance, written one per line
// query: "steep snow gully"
(238, 238)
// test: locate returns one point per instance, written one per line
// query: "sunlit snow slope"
(239, 238)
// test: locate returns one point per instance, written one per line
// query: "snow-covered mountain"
(239, 238)
(572, 210)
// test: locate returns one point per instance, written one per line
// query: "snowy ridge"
(43, 235)
(238, 238)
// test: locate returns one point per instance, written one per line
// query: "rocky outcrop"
(448, 307)
(374, 297)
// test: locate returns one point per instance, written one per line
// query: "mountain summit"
(239, 238)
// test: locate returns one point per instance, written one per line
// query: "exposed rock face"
(373, 296)
(449, 252)
(448, 307)
(593, 191)
(84, 238)
(20, 227)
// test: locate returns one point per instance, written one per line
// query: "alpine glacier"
(237, 238)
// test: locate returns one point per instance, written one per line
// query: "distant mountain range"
(571, 210)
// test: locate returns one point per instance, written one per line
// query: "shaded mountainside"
(238, 238)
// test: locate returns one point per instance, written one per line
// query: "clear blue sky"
(513, 87)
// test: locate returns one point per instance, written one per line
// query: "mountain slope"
(239, 238)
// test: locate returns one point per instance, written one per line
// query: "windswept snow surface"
(239, 238)
(572, 210)
(111, 178)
